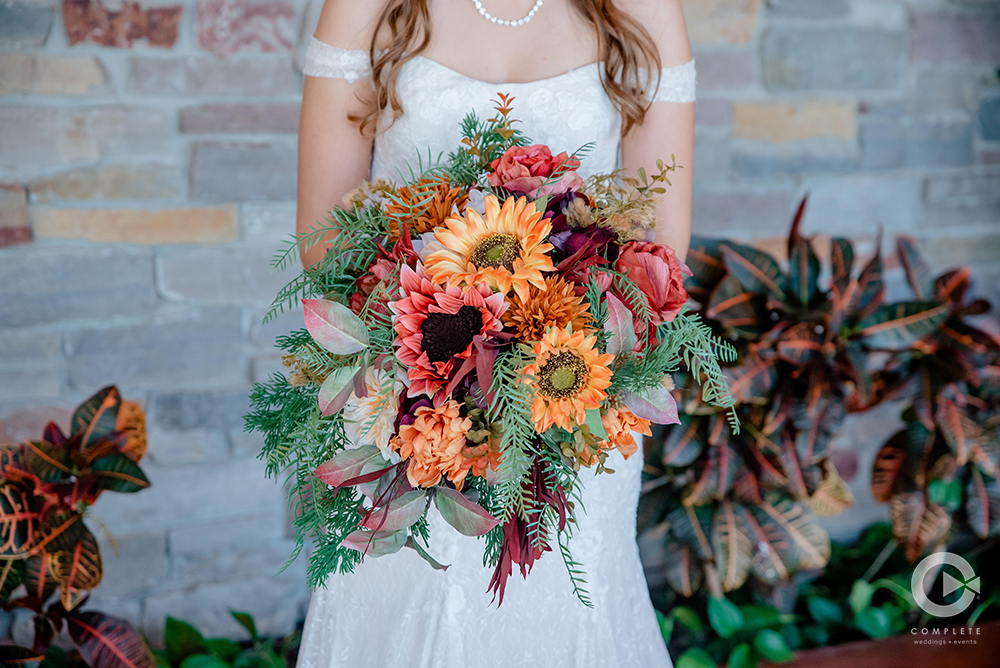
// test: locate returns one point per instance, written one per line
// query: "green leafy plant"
(939, 473)
(186, 647)
(46, 488)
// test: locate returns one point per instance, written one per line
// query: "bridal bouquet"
(473, 338)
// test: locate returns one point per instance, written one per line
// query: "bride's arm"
(334, 157)
(668, 128)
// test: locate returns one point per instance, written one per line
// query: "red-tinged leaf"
(108, 642)
(18, 521)
(704, 258)
(692, 525)
(755, 270)
(918, 272)
(958, 429)
(867, 294)
(684, 442)
(983, 504)
(53, 434)
(16, 655)
(841, 264)
(415, 546)
(118, 473)
(56, 531)
(795, 232)
(985, 456)
(770, 475)
(621, 331)
(715, 477)
(736, 309)
(815, 432)
(347, 465)
(11, 576)
(97, 417)
(683, 569)
(952, 286)
(753, 380)
(38, 579)
(131, 424)
(803, 272)
(793, 467)
(967, 340)
(773, 558)
(335, 327)
(885, 470)
(832, 495)
(799, 343)
(657, 405)
(731, 545)
(49, 462)
(337, 389)
(44, 634)
(77, 569)
(812, 543)
(399, 513)
(918, 525)
(898, 326)
(375, 543)
(467, 517)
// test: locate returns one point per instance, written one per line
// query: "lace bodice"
(396, 610)
(564, 112)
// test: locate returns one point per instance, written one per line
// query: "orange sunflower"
(506, 248)
(555, 305)
(570, 378)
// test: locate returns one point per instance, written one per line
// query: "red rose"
(523, 170)
(659, 275)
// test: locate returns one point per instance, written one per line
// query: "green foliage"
(186, 647)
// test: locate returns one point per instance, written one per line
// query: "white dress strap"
(677, 84)
(333, 62)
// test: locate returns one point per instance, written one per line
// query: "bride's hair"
(624, 46)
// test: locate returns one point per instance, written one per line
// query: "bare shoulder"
(349, 24)
(664, 19)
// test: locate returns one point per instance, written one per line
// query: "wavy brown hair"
(624, 46)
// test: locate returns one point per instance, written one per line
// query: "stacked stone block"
(147, 175)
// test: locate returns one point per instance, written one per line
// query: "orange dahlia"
(425, 205)
(433, 444)
(620, 422)
(435, 327)
(555, 305)
(506, 248)
(570, 378)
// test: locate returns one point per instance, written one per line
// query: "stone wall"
(147, 157)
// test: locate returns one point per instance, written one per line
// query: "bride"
(385, 80)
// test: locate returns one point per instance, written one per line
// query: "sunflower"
(436, 326)
(570, 378)
(555, 305)
(506, 248)
(425, 205)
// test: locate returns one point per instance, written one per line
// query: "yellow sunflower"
(570, 378)
(506, 248)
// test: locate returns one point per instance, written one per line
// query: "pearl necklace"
(505, 22)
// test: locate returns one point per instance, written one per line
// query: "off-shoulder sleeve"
(325, 60)
(677, 84)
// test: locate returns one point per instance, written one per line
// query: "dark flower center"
(496, 250)
(563, 375)
(448, 334)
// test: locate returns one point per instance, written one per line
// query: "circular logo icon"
(969, 584)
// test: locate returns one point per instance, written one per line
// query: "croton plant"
(46, 487)
(728, 506)
(939, 473)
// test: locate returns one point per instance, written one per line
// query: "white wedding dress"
(398, 611)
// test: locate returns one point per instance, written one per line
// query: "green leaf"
(336, 389)
(824, 611)
(874, 622)
(946, 494)
(898, 326)
(182, 639)
(347, 465)
(688, 618)
(16, 655)
(51, 463)
(755, 270)
(595, 424)
(724, 616)
(246, 621)
(118, 473)
(758, 617)
(695, 658)
(860, 596)
(741, 657)
(666, 623)
(11, 575)
(55, 657)
(97, 417)
(203, 661)
(772, 646)
(399, 513)
(803, 271)
(224, 648)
